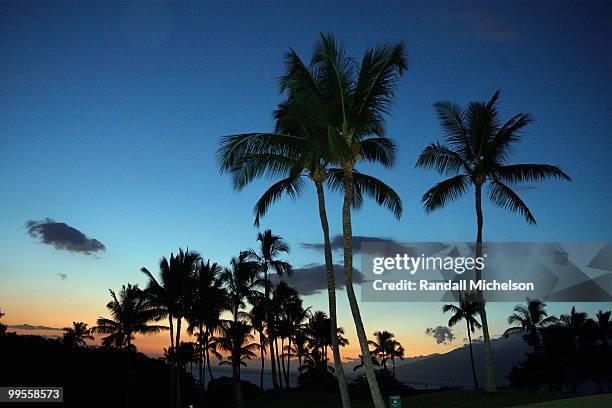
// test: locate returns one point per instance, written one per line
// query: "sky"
(110, 115)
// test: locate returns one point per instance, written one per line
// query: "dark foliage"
(98, 377)
(388, 385)
(221, 389)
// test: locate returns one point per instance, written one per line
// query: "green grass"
(443, 399)
(592, 401)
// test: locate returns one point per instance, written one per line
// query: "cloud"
(62, 276)
(311, 278)
(442, 334)
(488, 25)
(26, 326)
(524, 189)
(63, 237)
(337, 243)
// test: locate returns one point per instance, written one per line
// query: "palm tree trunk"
(283, 361)
(271, 336)
(237, 385)
(172, 357)
(201, 372)
(488, 355)
(208, 363)
(471, 355)
(347, 233)
(288, 363)
(178, 363)
(261, 352)
(331, 297)
(279, 378)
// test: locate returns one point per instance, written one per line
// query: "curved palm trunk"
(488, 355)
(347, 233)
(270, 328)
(331, 296)
(471, 355)
(208, 363)
(237, 385)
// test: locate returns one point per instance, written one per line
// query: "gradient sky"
(110, 113)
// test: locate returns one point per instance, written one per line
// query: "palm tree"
(330, 110)
(170, 295)
(361, 364)
(604, 326)
(236, 338)
(477, 153)
(530, 320)
(207, 303)
(385, 348)
(465, 310)
(319, 338)
(130, 314)
(77, 334)
(270, 247)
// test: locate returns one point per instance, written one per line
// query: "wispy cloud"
(63, 237)
(312, 278)
(62, 276)
(26, 326)
(337, 243)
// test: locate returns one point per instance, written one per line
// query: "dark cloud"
(63, 237)
(62, 276)
(337, 243)
(442, 334)
(26, 326)
(312, 278)
(524, 189)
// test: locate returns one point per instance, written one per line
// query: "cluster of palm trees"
(567, 350)
(385, 348)
(332, 120)
(236, 312)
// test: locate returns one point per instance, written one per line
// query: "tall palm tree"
(331, 108)
(465, 310)
(530, 321)
(236, 338)
(207, 303)
(171, 295)
(130, 314)
(319, 338)
(396, 351)
(270, 247)
(477, 153)
(77, 335)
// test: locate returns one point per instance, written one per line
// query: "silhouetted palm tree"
(530, 320)
(206, 304)
(236, 338)
(2, 326)
(604, 326)
(386, 348)
(270, 247)
(77, 335)
(351, 104)
(171, 294)
(361, 364)
(318, 333)
(465, 310)
(477, 153)
(130, 314)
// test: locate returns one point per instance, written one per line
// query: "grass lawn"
(592, 401)
(443, 399)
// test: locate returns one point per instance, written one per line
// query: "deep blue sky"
(110, 113)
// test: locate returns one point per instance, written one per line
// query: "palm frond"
(504, 197)
(443, 159)
(292, 186)
(519, 173)
(444, 192)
